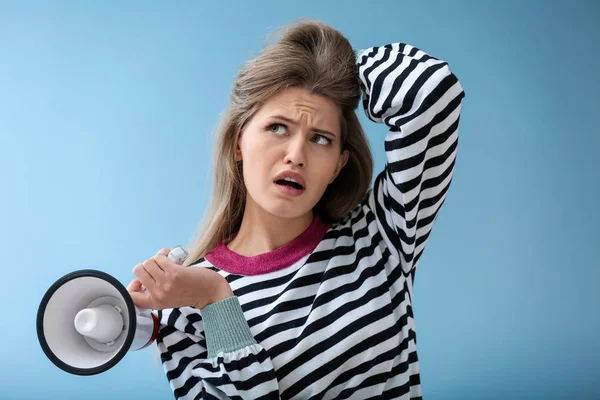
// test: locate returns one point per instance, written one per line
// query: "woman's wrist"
(204, 287)
(221, 291)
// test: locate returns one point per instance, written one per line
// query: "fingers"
(154, 268)
(162, 259)
(141, 299)
(164, 252)
(142, 273)
(151, 274)
(134, 286)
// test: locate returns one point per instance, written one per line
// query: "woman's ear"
(341, 163)
(238, 150)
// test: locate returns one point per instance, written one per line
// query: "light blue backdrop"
(106, 115)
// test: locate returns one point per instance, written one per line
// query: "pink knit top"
(282, 257)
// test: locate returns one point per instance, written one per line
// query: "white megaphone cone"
(87, 322)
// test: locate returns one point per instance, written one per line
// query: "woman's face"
(294, 136)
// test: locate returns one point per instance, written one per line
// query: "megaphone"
(87, 322)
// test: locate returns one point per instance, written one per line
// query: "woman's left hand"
(169, 285)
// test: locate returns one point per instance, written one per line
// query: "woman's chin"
(280, 208)
(289, 211)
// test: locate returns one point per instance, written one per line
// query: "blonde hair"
(311, 55)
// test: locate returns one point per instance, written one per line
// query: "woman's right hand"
(169, 285)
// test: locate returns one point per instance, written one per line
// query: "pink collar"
(282, 257)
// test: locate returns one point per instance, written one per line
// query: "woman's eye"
(278, 129)
(320, 139)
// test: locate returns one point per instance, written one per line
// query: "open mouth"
(288, 183)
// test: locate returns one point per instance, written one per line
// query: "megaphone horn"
(87, 322)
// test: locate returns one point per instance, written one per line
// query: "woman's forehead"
(298, 103)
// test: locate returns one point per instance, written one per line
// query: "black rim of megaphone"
(130, 334)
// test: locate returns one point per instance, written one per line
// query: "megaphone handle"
(178, 255)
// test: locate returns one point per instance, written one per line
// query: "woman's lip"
(291, 174)
(289, 191)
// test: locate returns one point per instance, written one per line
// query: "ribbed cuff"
(225, 327)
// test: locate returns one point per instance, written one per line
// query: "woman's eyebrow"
(291, 121)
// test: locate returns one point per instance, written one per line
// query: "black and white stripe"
(338, 324)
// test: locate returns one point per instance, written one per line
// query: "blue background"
(106, 117)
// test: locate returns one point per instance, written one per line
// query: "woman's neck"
(262, 232)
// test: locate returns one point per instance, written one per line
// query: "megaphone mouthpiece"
(103, 323)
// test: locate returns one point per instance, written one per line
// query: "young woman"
(302, 275)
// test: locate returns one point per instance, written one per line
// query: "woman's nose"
(296, 151)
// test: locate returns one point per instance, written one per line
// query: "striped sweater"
(330, 314)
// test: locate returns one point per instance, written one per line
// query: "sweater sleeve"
(211, 354)
(419, 100)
